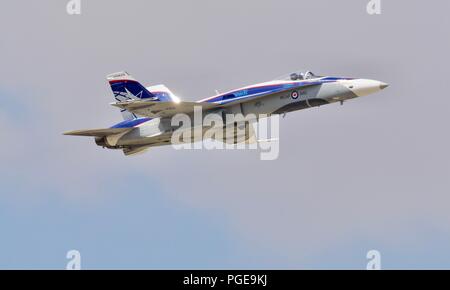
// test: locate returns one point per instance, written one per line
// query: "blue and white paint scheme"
(147, 110)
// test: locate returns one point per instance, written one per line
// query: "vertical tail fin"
(125, 87)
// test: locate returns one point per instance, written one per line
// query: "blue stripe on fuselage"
(262, 90)
(131, 123)
(268, 89)
(329, 79)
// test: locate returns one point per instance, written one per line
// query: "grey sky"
(373, 173)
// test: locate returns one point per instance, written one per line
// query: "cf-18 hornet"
(147, 111)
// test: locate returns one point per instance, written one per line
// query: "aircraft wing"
(246, 135)
(158, 109)
(98, 132)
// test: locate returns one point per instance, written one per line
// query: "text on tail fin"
(125, 87)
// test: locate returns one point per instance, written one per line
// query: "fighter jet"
(147, 111)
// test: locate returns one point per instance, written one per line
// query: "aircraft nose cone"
(383, 85)
(364, 87)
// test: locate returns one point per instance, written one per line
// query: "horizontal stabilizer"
(98, 132)
(157, 109)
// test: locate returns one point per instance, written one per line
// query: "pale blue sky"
(372, 174)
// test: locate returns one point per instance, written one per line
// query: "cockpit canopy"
(298, 76)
